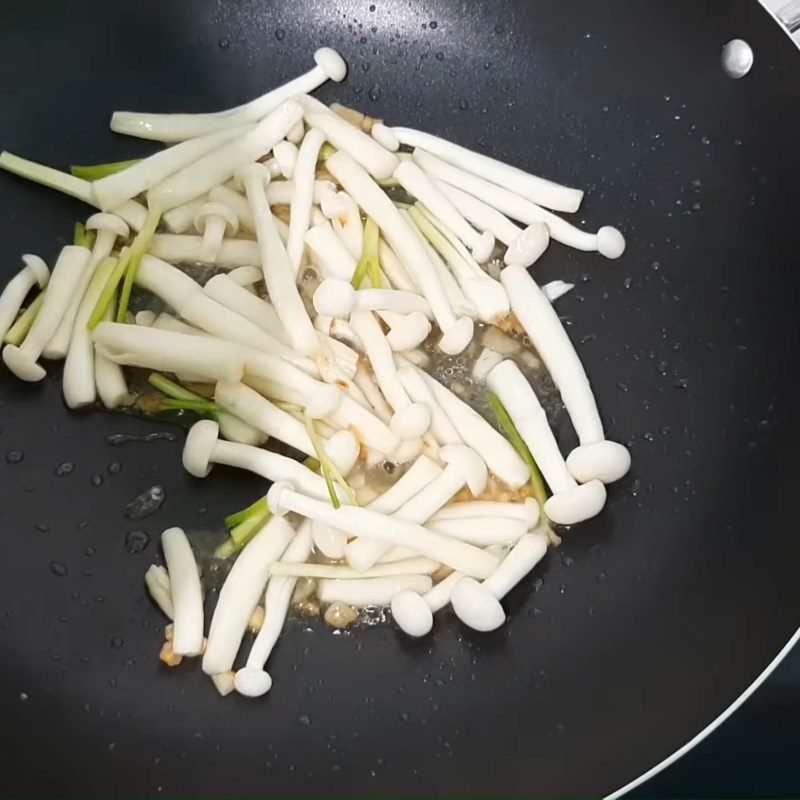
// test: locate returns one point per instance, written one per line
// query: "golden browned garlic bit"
(168, 656)
(340, 615)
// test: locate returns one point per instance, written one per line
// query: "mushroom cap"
(489, 297)
(343, 449)
(38, 268)
(610, 242)
(329, 541)
(22, 365)
(457, 336)
(528, 247)
(469, 462)
(217, 209)
(606, 461)
(274, 496)
(199, 445)
(476, 606)
(411, 421)
(256, 169)
(482, 247)
(334, 298)
(105, 221)
(331, 63)
(575, 505)
(411, 613)
(409, 332)
(252, 682)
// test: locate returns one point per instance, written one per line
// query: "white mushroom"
(420, 185)
(331, 254)
(184, 248)
(406, 331)
(337, 298)
(478, 604)
(608, 241)
(204, 449)
(384, 136)
(571, 502)
(22, 360)
(413, 612)
(527, 511)
(391, 530)
(370, 591)
(463, 468)
(35, 272)
(414, 565)
(595, 457)
(410, 419)
(278, 272)
(241, 592)
(367, 193)
(535, 189)
(481, 531)
(252, 680)
(178, 127)
(302, 196)
(160, 589)
(187, 596)
(418, 390)
(215, 221)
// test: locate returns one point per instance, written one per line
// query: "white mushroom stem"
(463, 468)
(278, 272)
(417, 565)
(108, 227)
(181, 218)
(109, 378)
(410, 420)
(238, 202)
(333, 257)
(303, 196)
(214, 221)
(249, 405)
(367, 193)
(204, 449)
(79, 383)
(231, 294)
(608, 241)
(413, 612)
(252, 680)
(485, 293)
(500, 457)
(346, 223)
(296, 134)
(245, 276)
(22, 360)
(421, 473)
(335, 297)
(486, 359)
(570, 502)
(480, 531)
(478, 604)
(222, 163)
(160, 589)
(35, 272)
(595, 457)
(113, 190)
(168, 351)
(178, 127)
(384, 136)
(366, 383)
(556, 289)
(481, 215)
(420, 185)
(391, 530)
(285, 153)
(187, 596)
(455, 296)
(180, 248)
(441, 427)
(537, 190)
(241, 592)
(526, 511)
(393, 269)
(377, 160)
(370, 591)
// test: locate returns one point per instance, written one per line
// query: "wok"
(647, 623)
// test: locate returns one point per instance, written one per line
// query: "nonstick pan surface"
(647, 622)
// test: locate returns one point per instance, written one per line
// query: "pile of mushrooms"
(312, 265)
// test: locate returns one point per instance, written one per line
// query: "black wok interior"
(647, 622)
